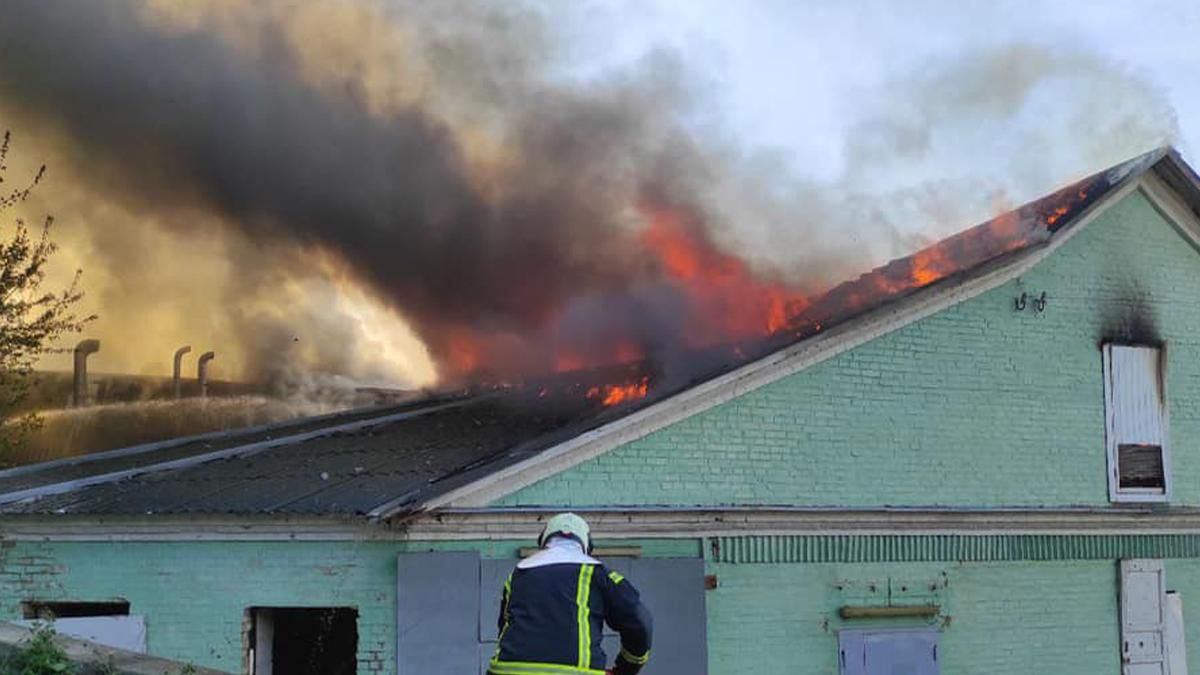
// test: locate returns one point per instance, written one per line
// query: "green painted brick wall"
(194, 594)
(997, 618)
(977, 405)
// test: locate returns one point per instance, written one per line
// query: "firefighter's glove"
(623, 667)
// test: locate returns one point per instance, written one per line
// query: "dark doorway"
(304, 641)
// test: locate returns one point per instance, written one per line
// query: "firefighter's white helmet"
(570, 525)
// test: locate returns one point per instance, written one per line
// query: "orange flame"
(612, 394)
(727, 301)
(930, 265)
(463, 353)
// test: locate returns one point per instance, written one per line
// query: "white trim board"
(616, 523)
(612, 523)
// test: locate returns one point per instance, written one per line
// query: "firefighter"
(555, 604)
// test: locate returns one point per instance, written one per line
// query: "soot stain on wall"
(1130, 319)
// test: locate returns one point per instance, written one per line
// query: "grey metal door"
(448, 604)
(437, 605)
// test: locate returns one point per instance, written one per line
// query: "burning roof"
(745, 319)
(1027, 226)
(398, 459)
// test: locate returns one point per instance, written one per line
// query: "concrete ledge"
(93, 659)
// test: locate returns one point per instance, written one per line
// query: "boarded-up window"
(119, 631)
(887, 652)
(106, 622)
(448, 603)
(1135, 403)
(1143, 618)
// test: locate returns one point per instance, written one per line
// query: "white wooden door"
(1143, 618)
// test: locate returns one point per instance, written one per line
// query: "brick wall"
(997, 618)
(194, 594)
(977, 405)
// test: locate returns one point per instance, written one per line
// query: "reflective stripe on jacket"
(552, 619)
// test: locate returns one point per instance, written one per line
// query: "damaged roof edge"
(506, 480)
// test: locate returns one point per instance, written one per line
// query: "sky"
(792, 76)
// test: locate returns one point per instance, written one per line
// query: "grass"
(40, 656)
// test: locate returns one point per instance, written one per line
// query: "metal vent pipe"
(202, 371)
(175, 379)
(84, 349)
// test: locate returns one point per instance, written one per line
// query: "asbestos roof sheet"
(342, 472)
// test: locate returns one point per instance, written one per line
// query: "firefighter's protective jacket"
(552, 615)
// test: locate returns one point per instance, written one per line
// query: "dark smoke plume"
(179, 117)
(477, 190)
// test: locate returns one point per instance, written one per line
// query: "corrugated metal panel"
(918, 548)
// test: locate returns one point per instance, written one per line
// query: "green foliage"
(31, 318)
(41, 656)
